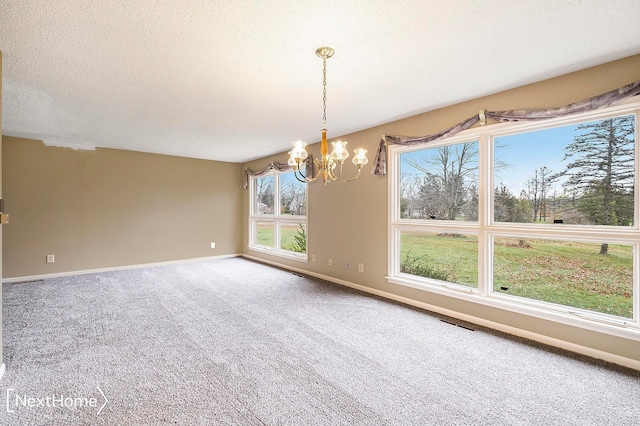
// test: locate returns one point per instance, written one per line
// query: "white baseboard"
(585, 350)
(115, 268)
(551, 341)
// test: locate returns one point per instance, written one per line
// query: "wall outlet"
(330, 261)
(51, 258)
(313, 257)
(360, 267)
(213, 245)
(347, 266)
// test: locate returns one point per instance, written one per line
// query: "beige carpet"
(236, 342)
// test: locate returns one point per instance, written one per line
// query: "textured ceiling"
(235, 80)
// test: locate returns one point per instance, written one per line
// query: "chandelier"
(329, 161)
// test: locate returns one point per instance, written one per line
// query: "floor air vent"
(457, 325)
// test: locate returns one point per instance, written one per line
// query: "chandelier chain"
(324, 93)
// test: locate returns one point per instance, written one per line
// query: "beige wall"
(1, 354)
(109, 208)
(348, 222)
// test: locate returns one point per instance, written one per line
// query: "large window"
(278, 220)
(539, 218)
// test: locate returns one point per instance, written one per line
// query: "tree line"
(292, 196)
(596, 183)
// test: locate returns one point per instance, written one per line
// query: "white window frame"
(487, 229)
(277, 219)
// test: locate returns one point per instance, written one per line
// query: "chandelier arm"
(333, 175)
(353, 178)
(317, 163)
(303, 179)
(313, 179)
(299, 178)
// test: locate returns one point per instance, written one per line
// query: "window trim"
(487, 229)
(276, 218)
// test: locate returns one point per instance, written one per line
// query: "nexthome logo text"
(17, 401)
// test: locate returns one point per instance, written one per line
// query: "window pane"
(445, 257)
(293, 195)
(265, 234)
(577, 174)
(593, 276)
(263, 192)
(293, 237)
(440, 183)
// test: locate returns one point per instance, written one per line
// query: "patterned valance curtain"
(310, 170)
(596, 102)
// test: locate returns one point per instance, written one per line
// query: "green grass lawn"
(456, 256)
(266, 235)
(567, 273)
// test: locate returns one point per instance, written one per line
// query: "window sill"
(300, 257)
(588, 320)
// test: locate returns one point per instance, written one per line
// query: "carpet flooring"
(235, 342)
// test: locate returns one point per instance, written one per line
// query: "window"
(535, 217)
(440, 183)
(574, 174)
(278, 219)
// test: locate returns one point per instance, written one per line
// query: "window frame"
(276, 218)
(487, 229)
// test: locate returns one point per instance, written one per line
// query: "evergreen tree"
(508, 208)
(299, 243)
(601, 171)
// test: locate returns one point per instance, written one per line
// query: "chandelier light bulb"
(298, 152)
(360, 157)
(339, 152)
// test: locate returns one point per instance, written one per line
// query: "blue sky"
(527, 152)
(524, 153)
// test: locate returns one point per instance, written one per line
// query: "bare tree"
(292, 197)
(538, 187)
(264, 194)
(533, 189)
(409, 194)
(546, 179)
(448, 178)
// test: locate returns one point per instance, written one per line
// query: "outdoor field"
(288, 235)
(567, 273)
